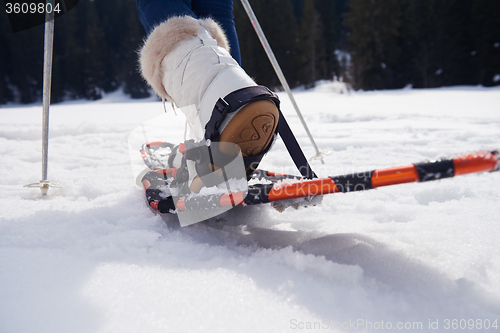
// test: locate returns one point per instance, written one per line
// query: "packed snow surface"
(92, 257)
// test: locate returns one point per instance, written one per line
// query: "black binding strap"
(241, 97)
(233, 102)
(294, 149)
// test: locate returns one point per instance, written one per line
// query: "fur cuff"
(165, 38)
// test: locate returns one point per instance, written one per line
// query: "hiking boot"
(187, 61)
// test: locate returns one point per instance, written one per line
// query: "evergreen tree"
(5, 56)
(485, 30)
(374, 29)
(112, 23)
(134, 85)
(280, 31)
(26, 64)
(330, 18)
(436, 44)
(311, 46)
(419, 43)
(71, 53)
(427, 43)
(96, 51)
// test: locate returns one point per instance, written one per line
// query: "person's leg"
(153, 12)
(186, 60)
(222, 12)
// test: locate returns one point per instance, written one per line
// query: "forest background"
(368, 44)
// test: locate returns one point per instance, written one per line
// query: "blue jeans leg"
(222, 12)
(153, 12)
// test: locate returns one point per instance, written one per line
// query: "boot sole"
(252, 128)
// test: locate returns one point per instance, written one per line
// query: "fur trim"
(165, 38)
(162, 40)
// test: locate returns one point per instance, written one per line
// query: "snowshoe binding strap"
(241, 97)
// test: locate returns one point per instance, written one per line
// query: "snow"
(91, 257)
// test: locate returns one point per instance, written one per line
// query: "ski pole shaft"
(47, 78)
(277, 69)
(362, 181)
(44, 184)
(275, 191)
(418, 172)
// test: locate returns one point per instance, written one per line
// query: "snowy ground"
(91, 257)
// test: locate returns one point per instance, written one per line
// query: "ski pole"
(47, 80)
(44, 184)
(279, 72)
(419, 172)
(275, 190)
